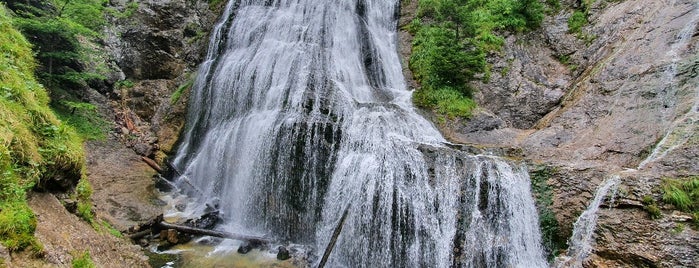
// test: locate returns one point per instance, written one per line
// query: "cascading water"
(682, 128)
(301, 111)
(581, 242)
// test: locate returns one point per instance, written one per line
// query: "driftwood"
(152, 164)
(333, 239)
(157, 224)
(222, 234)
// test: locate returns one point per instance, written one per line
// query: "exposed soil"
(65, 236)
(123, 187)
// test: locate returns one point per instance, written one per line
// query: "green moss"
(83, 260)
(552, 240)
(181, 89)
(83, 191)
(34, 145)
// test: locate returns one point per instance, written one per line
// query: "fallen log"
(140, 234)
(152, 164)
(222, 234)
(334, 237)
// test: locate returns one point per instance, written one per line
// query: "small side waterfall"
(301, 111)
(581, 242)
(682, 128)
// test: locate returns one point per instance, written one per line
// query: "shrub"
(452, 38)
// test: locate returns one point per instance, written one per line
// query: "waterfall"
(581, 242)
(682, 128)
(301, 110)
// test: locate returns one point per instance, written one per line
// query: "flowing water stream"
(681, 128)
(300, 111)
(581, 242)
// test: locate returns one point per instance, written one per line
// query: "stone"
(4, 253)
(283, 253)
(245, 247)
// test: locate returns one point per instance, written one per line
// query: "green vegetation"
(579, 19)
(650, 206)
(111, 230)
(452, 38)
(550, 234)
(181, 89)
(83, 191)
(83, 260)
(59, 31)
(679, 227)
(128, 11)
(84, 117)
(683, 194)
(34, 145)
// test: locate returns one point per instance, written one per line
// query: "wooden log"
(334, 237)
(152, 164)
(140, 234)
(196, 231)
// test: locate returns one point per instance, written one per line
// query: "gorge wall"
(582, 106)
(618, 98)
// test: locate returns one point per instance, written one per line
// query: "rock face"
(157, 46)
(621, 98)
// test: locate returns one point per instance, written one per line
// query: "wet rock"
(283, 253)
(245, 247)
(70, 205)
(206, 221)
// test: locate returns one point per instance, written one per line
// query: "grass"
(683, 194)
(82, 194)
(181, 89)
(84, 118)
(34, 145)
(83, 260)
(110, 229)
